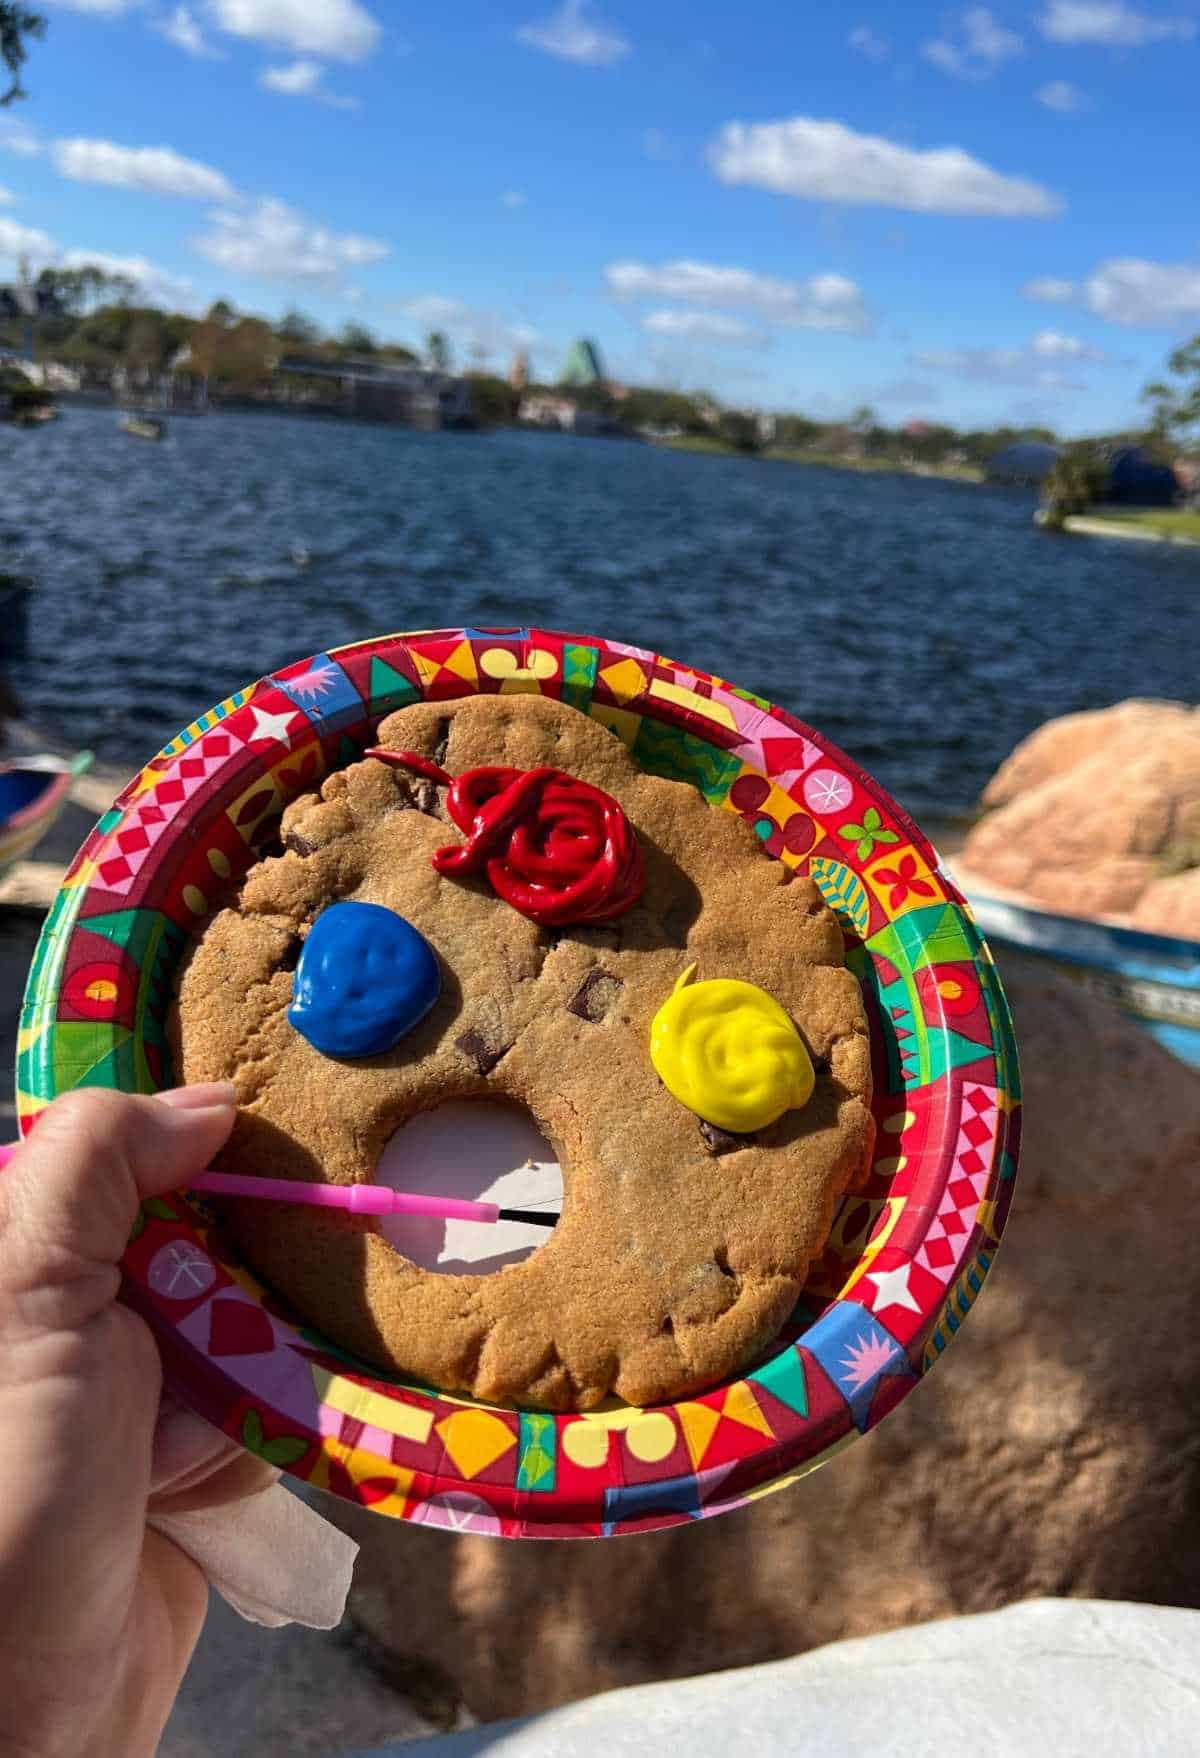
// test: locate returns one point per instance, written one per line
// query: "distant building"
(1024, 464)
(1135, 479)
(416, 396)
(544, 409)
(518, 372)
(583, 364)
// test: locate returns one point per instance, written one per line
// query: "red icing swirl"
(556, 848)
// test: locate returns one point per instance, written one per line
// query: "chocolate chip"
(595, 995)
(298, 844)
(476, 1048)
(722, 1141)
(290, 956)
(427, 797)
(442, 742)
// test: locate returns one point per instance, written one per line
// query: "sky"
(965, 214)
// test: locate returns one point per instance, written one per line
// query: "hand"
(98, 1614)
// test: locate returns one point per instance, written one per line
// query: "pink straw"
(359, 1199)
(356, 1199)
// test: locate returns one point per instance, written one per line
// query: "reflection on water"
(924, 626)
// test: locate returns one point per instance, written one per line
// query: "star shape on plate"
(892, 1288)
(272, 726)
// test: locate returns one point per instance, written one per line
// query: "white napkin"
(273, 1558)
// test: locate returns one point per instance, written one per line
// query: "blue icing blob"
(365, 977)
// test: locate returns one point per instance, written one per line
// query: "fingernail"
(199, 1097)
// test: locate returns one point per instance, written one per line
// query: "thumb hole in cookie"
(478, 1149)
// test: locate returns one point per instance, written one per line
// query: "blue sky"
(970, 214)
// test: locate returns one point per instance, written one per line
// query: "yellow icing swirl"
(729, 1052)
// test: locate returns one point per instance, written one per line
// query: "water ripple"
(923, 625)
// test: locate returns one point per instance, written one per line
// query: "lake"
(925, 626)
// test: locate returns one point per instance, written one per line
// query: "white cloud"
(6, 196)
(826, 161)
(155, 170)
(17, 240)
(342, 30)
(906, 390)
(1060, 95)
(514, 198)
(975, 44)
(158, 285)
(18, 137)
(303, 79)
(995, 366)
(1054, 345)
(1129, 290)
(479, 333)
(298, 80)
(436, 310)
(821, 302)
(1051, 290)
(570, 35)
(1109, 21)
(873, 44)
(699, 326)
(274, 242)
(182, 30)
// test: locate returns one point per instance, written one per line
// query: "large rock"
(1171, 906)
(1092, 813)
(1052, 1452)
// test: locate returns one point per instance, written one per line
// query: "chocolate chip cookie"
(682, 1246)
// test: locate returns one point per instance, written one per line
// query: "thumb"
(70, 1196)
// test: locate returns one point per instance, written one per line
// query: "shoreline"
(1086, 525)
(702, 447)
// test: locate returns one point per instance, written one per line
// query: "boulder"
(1053, 1450)
(1092, 813)
(1171, 906)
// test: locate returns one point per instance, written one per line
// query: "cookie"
(683, 1244)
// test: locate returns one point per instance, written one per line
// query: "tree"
(1079, 478)
(220, 312)
(17, 25)
(299, 329)
(356, 338)
(437, 348)
(738, 430)
(1175, 408)
(73, 292)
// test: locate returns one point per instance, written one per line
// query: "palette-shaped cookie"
(683, 1246)
(905, 1258)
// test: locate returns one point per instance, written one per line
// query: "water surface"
(925, 626)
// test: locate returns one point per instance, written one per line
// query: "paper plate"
(906, 1259)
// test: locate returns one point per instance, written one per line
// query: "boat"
(33, 791)
(1154, 979)
(148, 427)
(35, 415)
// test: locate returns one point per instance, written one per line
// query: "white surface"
(1072, 1678)
(472, 1148)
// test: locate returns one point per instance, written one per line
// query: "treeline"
(89, 320)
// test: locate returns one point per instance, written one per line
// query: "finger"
(70, 1196)
(199, 1096)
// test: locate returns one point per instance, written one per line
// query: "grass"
(1168, 521)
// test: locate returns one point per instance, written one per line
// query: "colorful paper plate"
(906, 1259)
